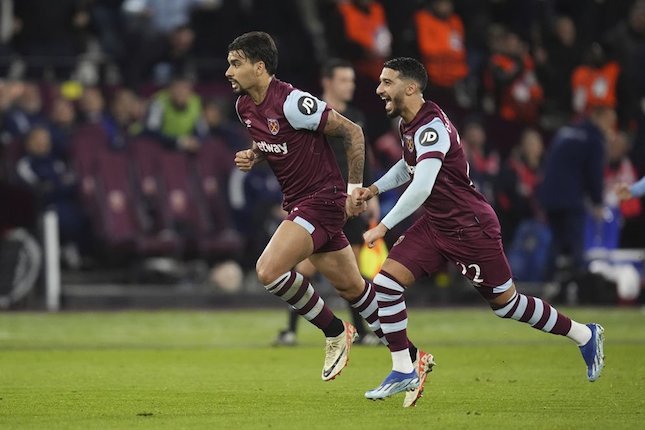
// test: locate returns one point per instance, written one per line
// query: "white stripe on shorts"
(304, 224)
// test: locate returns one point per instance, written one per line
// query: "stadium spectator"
(458, 225)
(620, 170)
(483, 159)
(594, 82)
(160, 37)
(175, 116)
(92, 111)
(7, 30)
(26, 112)
(48, 35)
(556, 60)
(220, 126)
(122, 122)
(512, 83)
(441, 39)
(62, 122)
(626, 43)
(367, 38)
(91, 106)
(516, 185)
(573, 179)
(55, 187)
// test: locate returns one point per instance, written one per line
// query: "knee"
(350, 290)
(266, 273)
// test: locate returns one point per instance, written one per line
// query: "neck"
(259, 92)
(335, 103)
(412, 108)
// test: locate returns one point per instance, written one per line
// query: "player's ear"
(411, 88)
(259, 68)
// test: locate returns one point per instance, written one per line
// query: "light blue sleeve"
(397, 175)
(638, 188)
(417, 192)
(432, 137)
(303, 111)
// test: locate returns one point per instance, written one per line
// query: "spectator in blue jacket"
(573, 181)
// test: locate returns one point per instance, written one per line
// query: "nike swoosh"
(327, 372)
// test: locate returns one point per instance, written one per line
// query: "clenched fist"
(245, 160)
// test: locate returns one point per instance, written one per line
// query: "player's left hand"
(353, 209)
(374, 234)
(622, 191)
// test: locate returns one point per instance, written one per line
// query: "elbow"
(420, 195)
(356, 134)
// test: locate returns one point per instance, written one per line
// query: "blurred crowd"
(116, 115)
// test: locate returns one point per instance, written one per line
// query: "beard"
(396, 110)
(237, 89)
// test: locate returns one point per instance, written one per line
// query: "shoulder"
(430, 131)
(303, 110)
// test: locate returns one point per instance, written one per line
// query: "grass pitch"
(215, 370)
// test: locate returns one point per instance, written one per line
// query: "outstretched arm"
(419, 190)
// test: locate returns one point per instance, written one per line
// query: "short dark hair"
(409, 68)
(330, 66)
(257, 46)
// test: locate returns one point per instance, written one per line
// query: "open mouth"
(388, 102)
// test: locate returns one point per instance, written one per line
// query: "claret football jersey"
(287, 126)
(454, 202)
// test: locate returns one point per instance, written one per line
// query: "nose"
(379, 90)
(229, 72)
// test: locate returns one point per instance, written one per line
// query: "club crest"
(274, 126)
(409, 142)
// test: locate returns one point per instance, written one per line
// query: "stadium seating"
(120, 223)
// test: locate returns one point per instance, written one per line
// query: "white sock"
(401, 361)
(579, 333)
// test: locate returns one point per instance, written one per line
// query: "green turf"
(214, 370)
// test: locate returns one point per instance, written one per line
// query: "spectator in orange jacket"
(511, 81)
(367, 35)
(594, 83)
(440, 34)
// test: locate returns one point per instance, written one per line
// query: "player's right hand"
(361, 195)
(244, 160)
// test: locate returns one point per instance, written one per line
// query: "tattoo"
(354, 142)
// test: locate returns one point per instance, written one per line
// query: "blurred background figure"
(555, 61)
(516, 185)
(50, 36)
(573, 183)
(54, 186)
(25, 113)
(512, 83)
(483, 159)
(441, 38)
(175, 116)
(366, 37)
(594, 83)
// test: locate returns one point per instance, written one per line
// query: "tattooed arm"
(354, 142)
